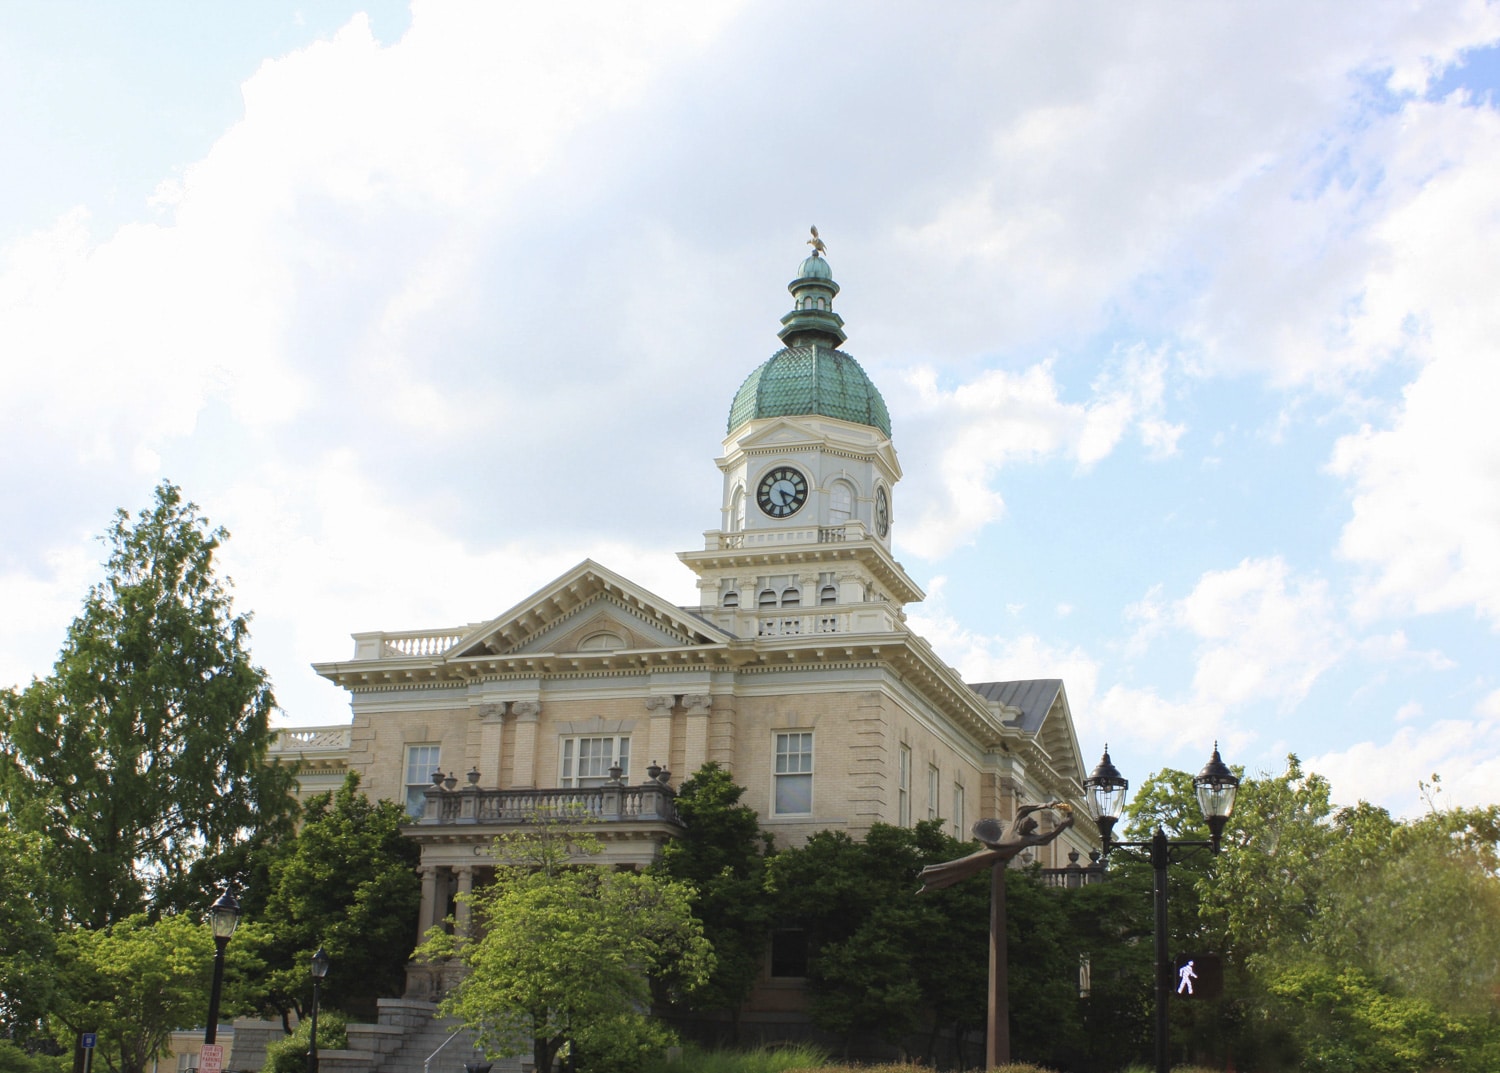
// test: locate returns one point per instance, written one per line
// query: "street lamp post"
(226, 917)
(1216, 786)
(319, 970)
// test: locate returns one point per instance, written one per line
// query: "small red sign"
(211, 1058)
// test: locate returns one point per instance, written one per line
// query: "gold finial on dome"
(816, 243)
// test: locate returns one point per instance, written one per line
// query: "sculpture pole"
(997, 1038)
(997, 854)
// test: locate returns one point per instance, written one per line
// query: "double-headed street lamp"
(319, 970)
(1216, 786)
(225, 914)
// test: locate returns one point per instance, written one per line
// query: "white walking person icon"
(1186, 976)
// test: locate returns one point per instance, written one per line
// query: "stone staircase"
(407, 1034)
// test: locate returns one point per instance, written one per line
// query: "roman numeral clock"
(782, 492)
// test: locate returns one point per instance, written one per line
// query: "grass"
(779, 1059)
(806, 1058)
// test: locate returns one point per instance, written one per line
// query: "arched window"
(599, 642)
(829, 595)
(731, 598)
(737, 511)
(840, 502)
(767, 598)
(791, 597)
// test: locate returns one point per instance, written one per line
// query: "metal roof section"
(1031, 700)
(810, 375)
(813, 379)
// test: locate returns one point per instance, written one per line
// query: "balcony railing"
(610, 803)
(310, 740)
(1074, 875)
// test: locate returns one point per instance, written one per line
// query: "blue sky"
(1185, 317)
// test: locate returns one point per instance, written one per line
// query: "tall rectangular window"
(794, 773)
(586, 762)
(934, 802)
(421, 762)
(958, 810)
(903, 786)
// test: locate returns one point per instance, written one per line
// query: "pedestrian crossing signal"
(1198, 976)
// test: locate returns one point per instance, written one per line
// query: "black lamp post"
(226, 917)
(319, 970)
(1216, 786)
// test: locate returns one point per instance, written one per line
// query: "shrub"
(289, 1055)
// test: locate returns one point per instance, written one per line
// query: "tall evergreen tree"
(346, 882)
(722, 857)
(142, 757)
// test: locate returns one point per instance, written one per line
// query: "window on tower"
(840, 503)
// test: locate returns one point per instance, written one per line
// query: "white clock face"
(782, 492)
(882, 513)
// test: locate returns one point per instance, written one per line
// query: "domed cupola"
(803, 544)
(810, 375)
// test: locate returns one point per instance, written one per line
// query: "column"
(425, 915)
(465, 887)
(528, 714)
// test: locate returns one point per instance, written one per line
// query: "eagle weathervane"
(816, 243)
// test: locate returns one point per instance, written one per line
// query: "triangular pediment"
(780, 432)
(590, 609)
(1037, 709)
(1058, 738)
(813, 431)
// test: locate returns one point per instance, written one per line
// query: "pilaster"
(491, 736)
(695, 734)
(527, 714)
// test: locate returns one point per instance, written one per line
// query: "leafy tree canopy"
(567, 952)
(141, 757)
(135, 982)
(347, 882)
(722, 857)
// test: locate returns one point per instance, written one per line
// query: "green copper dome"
(815, 379)
(811, 375)
(815, 267)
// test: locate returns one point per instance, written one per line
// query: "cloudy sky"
(1186, 316)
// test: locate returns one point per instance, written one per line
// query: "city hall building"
(796, 670)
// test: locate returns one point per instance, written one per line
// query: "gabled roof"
(1038, 709)
(545, 613)
(1033, 697)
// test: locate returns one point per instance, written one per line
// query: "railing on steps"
(427, 1065)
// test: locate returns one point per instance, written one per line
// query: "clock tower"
(804, 537)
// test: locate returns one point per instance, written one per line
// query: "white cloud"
(1464, 753)
(324, 539)
(1264, 634)
(1001, 419)
(1426, 502)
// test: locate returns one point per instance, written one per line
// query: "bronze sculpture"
(1000, 847)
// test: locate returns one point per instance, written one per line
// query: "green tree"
(135, 982)
(27, 946)
(347, 882)
(888, 964)
(721, 856)
(1358, 941)
(567, 952)
(141, 757)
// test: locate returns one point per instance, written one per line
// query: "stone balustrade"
(612, 802)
